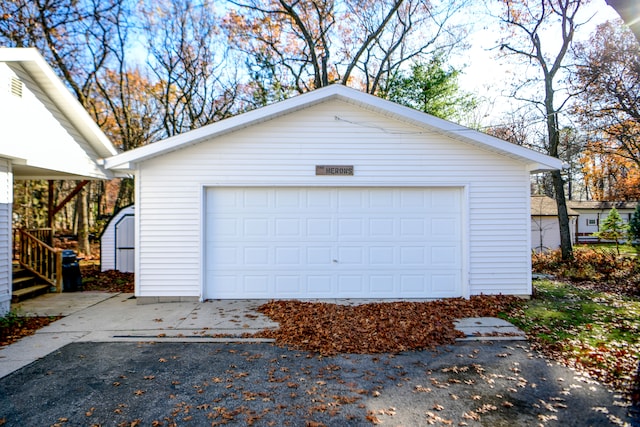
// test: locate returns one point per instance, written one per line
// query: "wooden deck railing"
(40, 258)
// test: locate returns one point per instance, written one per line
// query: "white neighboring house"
(592, 213)
(545, 229)
(331, 194)
(117, 242)
(46, 134)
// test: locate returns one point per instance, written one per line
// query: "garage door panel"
(226, 256)
(442, 200)
(319, 255)
(381, 200)
(350, 227)
(287, 285)
(332, 242)
(255, 227)
(412, 255)
(382, 255)
(350, 284)
(382, 285)
(412, 227)
(442, 256)
(323, 200)
(413, 284)
(288, 199)
(382, 227)
(320, 285)
(256, 256)
(256, 199)
(287, 256)
(441, 284)
(413, 198)
(320, 227)
(351, 255)
(288, 227)
(446, 227)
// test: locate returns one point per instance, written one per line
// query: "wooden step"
(30, 292)
(22, 282)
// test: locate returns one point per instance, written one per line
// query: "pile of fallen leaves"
(108, 281)
(12, 327)
(383, 327)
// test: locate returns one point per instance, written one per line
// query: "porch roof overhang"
(53, 91)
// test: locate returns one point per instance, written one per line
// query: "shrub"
(587, 264)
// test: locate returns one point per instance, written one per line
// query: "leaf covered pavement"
(387, 327)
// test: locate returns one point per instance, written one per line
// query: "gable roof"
(30, 61)
(546, 206)
(536, 161)
(599, 206)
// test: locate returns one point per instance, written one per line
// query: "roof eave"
(536, 161)
(37, 67)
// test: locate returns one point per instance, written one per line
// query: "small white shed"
(332, 194)
(117, 242)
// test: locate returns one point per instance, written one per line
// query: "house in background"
(46, 134)
(331, 194)
(545, 231)
(593, 213)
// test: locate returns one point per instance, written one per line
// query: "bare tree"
(527, 22)
(197, 85)
(307, 44)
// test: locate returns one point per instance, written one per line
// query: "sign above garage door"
(353, 242)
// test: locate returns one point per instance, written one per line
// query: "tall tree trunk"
(563, 216)
(83, 223)
(553, 133)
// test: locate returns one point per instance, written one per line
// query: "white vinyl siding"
(36, 131)
(6, 198)
(284, 152)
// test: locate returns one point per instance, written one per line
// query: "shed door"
(125, 244)
(333, 243)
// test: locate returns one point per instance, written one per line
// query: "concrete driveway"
(112, 362)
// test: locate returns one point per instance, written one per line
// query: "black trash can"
(71, 277)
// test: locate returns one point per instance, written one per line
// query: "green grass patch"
(596, 331)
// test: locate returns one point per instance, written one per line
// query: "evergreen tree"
(430, 87)
(613, 228)
(634, 224)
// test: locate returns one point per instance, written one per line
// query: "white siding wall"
(284, 151)
(545, 233)
(38, 131)
(6, 199)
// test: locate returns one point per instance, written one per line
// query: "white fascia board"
(535, 161)
(37, 67)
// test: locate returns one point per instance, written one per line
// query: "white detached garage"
(331, 194)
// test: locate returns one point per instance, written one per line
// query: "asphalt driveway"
(476, 383)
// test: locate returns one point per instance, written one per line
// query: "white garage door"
(333, 242)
